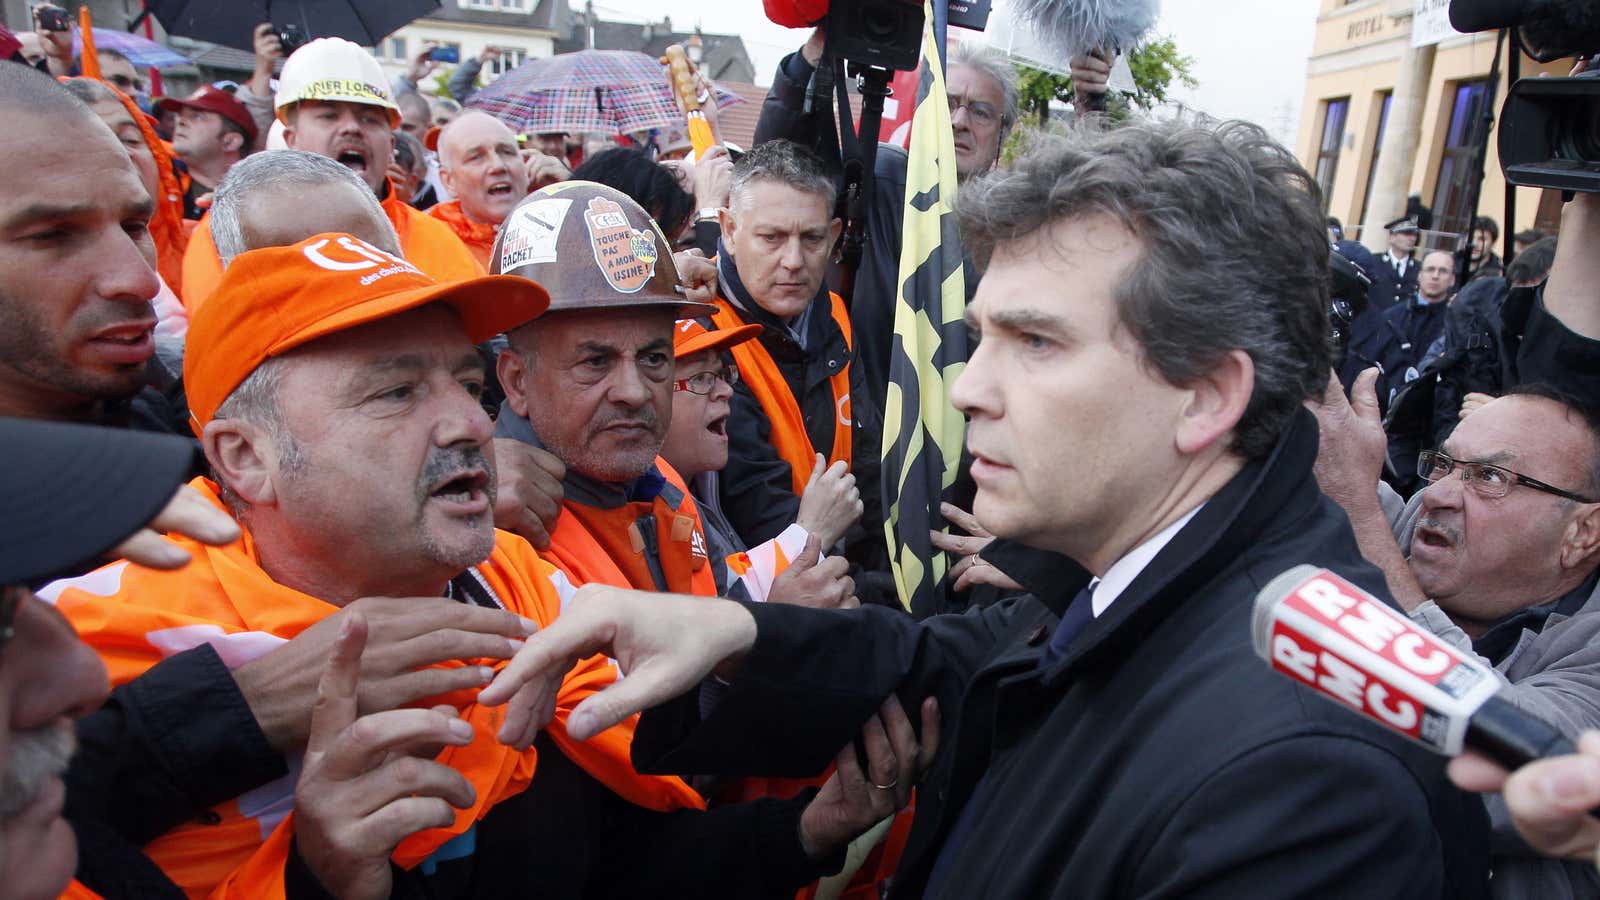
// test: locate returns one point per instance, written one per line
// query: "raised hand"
(815, 582)
(830, 503)
(1351, 444)
(528, 492)
(698, 274)
(544, 169)
(970, 569)
(713, 176)
(367, 783)
(406, 638)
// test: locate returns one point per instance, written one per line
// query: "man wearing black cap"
(74, 494)
(1395, 278)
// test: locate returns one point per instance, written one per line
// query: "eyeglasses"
(1488, 481)
(982, 113)
(706, 382)
(10, 600)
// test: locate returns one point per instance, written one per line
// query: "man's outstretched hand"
(664, 643)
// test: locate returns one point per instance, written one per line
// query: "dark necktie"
(1079, 613)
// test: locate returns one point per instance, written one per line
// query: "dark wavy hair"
(1235, 249)
(648, 182)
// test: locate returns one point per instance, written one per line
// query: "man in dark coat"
(1405, 331)
(1141, 451)
(1395, 278)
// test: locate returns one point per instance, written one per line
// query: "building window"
(1460, 158)
(1377, 145)
(513, 5)
(510, 58)
(1333, 116)
(397, 49)
(479, 4)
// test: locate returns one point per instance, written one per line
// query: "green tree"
(1155, 64)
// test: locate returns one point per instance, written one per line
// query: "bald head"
(482, 166)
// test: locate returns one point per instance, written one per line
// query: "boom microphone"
(1075, 27)
(1353, 648)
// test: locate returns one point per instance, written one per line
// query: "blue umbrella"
(140, 51)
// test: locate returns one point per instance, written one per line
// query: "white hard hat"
(334, 69)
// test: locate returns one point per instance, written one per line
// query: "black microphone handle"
(1513, 738)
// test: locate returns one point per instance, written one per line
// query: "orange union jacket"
(134, 617)
(766, 382)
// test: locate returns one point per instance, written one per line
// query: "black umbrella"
(232, 24)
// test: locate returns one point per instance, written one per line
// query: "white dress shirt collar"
(1124, 570)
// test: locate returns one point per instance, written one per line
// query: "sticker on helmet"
(344, 89)
(531, 233)
(625, 255)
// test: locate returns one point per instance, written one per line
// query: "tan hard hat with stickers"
(591, 247)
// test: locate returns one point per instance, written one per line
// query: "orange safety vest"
(606, 546)
(426, 243)
(135, 617)
(477, 236)
(789, 437)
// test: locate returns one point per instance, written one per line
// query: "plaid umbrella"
(140, 51)
(607, 91)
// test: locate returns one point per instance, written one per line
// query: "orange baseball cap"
(690, 337)
(275, 299)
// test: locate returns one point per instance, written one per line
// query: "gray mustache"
(35, 757)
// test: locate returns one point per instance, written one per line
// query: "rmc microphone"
(1354, 649)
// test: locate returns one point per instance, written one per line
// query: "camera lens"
(881, 23)
(1576, 128)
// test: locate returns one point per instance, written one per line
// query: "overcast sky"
(1250, 55)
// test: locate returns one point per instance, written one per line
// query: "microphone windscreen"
(1074, 27)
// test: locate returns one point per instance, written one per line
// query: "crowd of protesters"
(402, 506)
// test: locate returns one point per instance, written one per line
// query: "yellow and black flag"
(922, 432)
